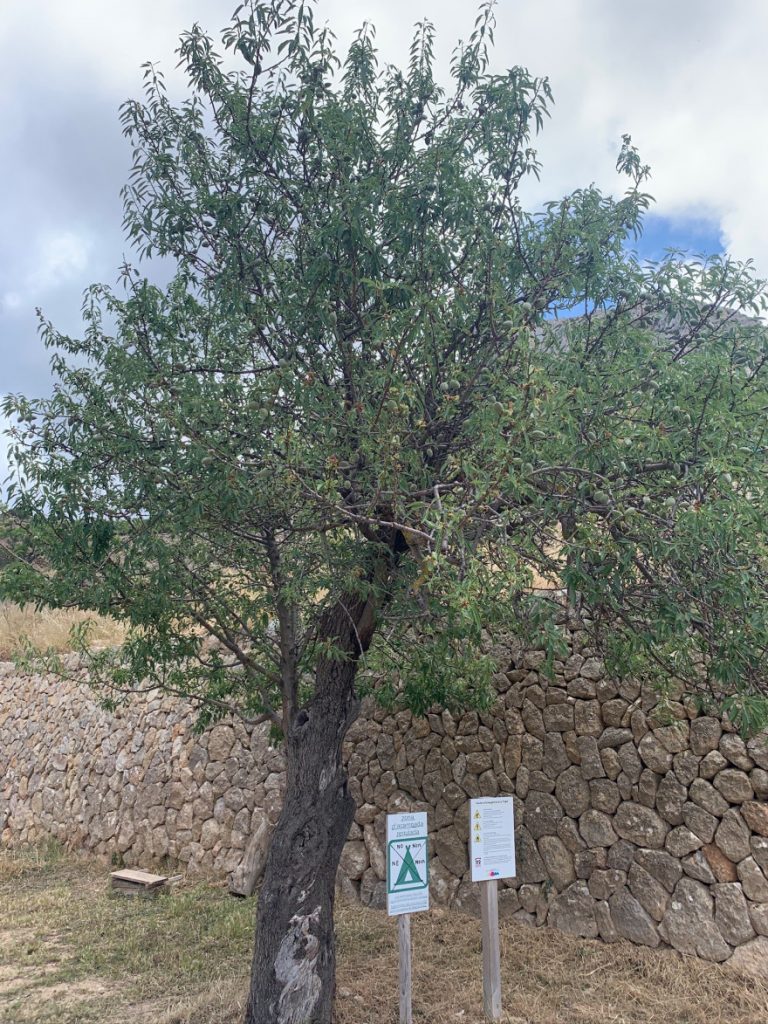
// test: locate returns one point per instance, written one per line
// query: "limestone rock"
(614, 712)
(613, 738)
(670, 797)
(221, 739)
(673, 737)
(533, 720)
(556, 758)
(705, 735)
(753, 880)
(734, 749)
(530, 866)
(573, 911)
(621, 855)
(758, 915)
(631, 920)
(681, 841)
(723, 869)
(640, 825)
(509, 903)
(605, 926)
(648, 787)
(568, 831)
(700, 822)
(654, 755)
(589, 754)
(528, 896)
(542, 813)
(604, 795)
(734, 785)
(373, 891)
(592, 668)
(661, 865)
(558, 861)
(451, 850)
(755, 814)
(759, 779)
(757, 748)
(354, 859)
(711, 764)
(638, 723)
(603, 882)
(697, 866)
(375, 847)
(631, 764)
(558, 717)
(572, 791)
(705, 795)
(587, 719)
(533, 753)
(732, 913)
(732, 836)
(443, 883)
(686, 766)
(759, 848)
(751, 959)
(649, 893)
(689, 924)
(596, 829)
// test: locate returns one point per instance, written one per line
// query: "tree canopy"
(358, 350)
(378, 395)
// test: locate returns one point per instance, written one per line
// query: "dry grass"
(72, 954)
(50, 628)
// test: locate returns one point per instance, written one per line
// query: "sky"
(687, 78)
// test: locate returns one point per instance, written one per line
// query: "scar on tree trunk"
(294, 963)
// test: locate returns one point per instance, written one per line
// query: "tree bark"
(294, 963)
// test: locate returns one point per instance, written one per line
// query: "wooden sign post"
(407, 889)
(489, 915)
(491, 856)
(404, 945)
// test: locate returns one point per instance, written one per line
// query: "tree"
(326, 458)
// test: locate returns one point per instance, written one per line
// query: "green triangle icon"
(408, 871)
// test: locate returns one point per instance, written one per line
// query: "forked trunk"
(294, 964)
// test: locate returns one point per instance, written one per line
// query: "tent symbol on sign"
(408, 871)
(407, 868)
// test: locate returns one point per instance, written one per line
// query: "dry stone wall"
(136, 786)
(634, 820)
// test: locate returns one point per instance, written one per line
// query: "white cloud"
(58, 258)
(688, 79)
(102, 43)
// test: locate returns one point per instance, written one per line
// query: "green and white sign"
(407, 863)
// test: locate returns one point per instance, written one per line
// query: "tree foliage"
(376, 402)
(364, 379)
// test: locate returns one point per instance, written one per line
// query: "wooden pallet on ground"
(130, 882)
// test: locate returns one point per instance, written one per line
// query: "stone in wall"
(630, 824)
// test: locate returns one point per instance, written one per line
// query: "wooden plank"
(142, 879)
(404, 942)
(489, 913)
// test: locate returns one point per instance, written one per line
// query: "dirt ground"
(72, 953)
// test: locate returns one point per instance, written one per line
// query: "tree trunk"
(294, 963)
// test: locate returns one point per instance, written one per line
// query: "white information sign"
(407, 863)
(492, 838)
